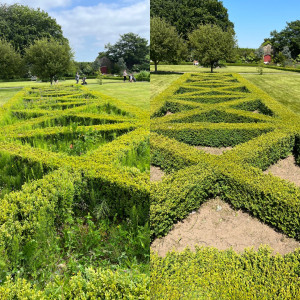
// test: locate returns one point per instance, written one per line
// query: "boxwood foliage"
(209, 273)
(261, 132)
(102, 131)
(92, 284)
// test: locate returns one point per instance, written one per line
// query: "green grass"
(7, 93)
(136, 93)
(160, 82)
(284, 87)
(229, 69)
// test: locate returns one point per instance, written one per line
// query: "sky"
(255, 19)
(90, 25)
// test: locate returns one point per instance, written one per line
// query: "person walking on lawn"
(124, 75)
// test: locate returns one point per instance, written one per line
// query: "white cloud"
(92, 27)
(43, 4)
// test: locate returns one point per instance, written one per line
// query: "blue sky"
(255, 19)
(89, 25)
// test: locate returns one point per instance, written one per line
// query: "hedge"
(93, 284)
(37, 117)
(209, 273)
(259, 140)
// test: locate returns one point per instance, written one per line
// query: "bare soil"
(156, 174)
(286, 169)
(256, 112)
(216, 224)
(213, 150)
(168, 113)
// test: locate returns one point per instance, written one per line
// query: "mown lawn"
(137, 93)
(134, 93)
(229, 69)
(284, 87)
(7, 93)
(161, 82)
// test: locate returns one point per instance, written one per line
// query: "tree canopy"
(132, 48)
(288, 37)
(10, 61)
(165, 43)
(186, 15)
(22, 25)
(49, 58)
(210, 44)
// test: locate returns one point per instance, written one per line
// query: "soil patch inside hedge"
(216, 224)
(168, 113)
(156, 174)
(286, 169)
(213, 150)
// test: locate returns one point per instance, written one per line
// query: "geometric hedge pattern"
(75, 129)
(219, 110)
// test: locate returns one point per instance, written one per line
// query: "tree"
(186, 15)
(132, 48)
(10, 61)
(47, 59)
(165, 44)
(211, 44)
(259, 53)
(22, 25)
(289, 37)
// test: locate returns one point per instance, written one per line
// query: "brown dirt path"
(156, 174)
(216, 224)
(286, 169)
(213, 150)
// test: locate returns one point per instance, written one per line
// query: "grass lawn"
(229, 69)
(161, 82)
(137, 93)
(7, 93)
(284, 87)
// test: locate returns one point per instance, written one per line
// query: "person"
(133, 78)
(84, 81)
(130, 78)
(124, 75)
(77, 77)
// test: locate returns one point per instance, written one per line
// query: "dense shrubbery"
(85, 203)
(262, 132)
(212, 274)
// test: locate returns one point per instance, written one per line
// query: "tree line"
(186, 30)
(31, 42)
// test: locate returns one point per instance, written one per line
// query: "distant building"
(268, 50)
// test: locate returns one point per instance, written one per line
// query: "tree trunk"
(212, 67)
(155, 63)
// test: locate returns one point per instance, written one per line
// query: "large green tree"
(165, 44)
(210, 44)
(22, 25)
(49, 58)
(132, 48)
(10, 61)
(288, 37)
(186, 15)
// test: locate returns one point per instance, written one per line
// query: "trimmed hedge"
(260, 141)
(93, 284)
(36, 117)
(212, 274)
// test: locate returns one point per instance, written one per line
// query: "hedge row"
(93, 284)
(31, 218)
(236, 176)
(212, 274)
